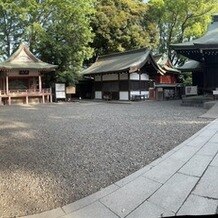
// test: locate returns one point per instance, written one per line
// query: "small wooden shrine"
(129, 75)
(123, 76)
(21, 78)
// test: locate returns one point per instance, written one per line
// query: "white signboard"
(60, 92)
(215, 92)
(60, 95)
(191, 90)
(59, 87)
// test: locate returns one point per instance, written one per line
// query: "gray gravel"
(55, 154)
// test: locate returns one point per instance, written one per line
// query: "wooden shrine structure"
(125, 76)
(203, 58)
(21, 78)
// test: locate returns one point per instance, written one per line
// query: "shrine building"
(203, 58)
(128, 75)
(21, 78)
(123, 76)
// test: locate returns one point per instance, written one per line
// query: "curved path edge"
(182, 181)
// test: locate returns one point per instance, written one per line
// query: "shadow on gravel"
(52, 155)
(28, 180)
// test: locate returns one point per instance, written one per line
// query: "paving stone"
(185, 153)
(214, 138)
(150, 210)
(213, 126)
(133, 176)
(173, 193)
(178, 147)
(198, 141)
(95, 210)
(208, 184)
(209, 148)
(89, 199)
(163, 171)
(48, 214)
(196, 165)
(215, 161)
(197, 205)
(208, 133)
(191, 138)
(127, 198)
(163, 157)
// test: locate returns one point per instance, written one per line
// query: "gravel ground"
(55, 154)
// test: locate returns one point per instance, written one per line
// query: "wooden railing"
(25, 92)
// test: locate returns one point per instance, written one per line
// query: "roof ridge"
(24, 47)
(123, 53)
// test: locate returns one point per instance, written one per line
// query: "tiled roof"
(126, 61)
(24, 59)
(209, 40)
(191, 65)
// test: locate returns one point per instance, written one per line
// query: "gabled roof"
(209, 40)
(129, 61)
(190, 66)
(164, 62)
(24, 59)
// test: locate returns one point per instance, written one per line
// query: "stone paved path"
(181, 182)
(212, 113)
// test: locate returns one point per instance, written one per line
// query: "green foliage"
(120, 25)
(58, 31)
(67, 37)
(67, 32)
(180, 20)
(186, 79)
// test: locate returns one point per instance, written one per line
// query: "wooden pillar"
(3, 85)
(101, 86)
(9, 100)
(40, 83)
(27, 99)
(7, 86)
(94, 88)
(119, 85)
(129, 85)
(43, 98)
(34, 84)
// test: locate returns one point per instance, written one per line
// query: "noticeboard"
(191, 90)
(215, 92)
(60, 91)
(70, 90)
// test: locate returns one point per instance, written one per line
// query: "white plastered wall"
(109, 77)
(123, 76)
(124, 96)
(97, 78)
(98, 95)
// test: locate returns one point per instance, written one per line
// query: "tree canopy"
(120, 25)
(69, 32)
(180, 20)
(57, 31)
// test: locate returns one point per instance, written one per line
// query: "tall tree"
(180, 20)
(11, 28)
(120, 25)
(58, 31)
(67, 36)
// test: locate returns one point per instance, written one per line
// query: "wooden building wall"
(167, 79)
(121, 86)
